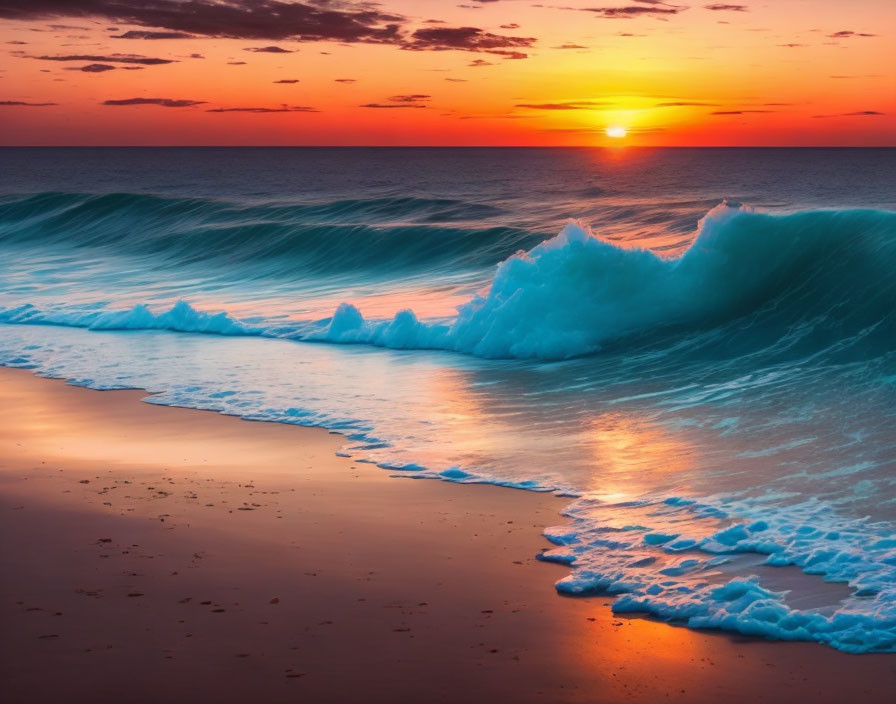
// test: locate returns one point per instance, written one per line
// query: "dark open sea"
(696, 346)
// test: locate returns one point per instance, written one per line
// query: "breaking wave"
(797, 283)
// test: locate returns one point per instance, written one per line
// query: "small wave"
(376, 234)
(182, 317)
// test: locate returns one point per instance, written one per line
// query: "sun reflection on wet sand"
(632, 456)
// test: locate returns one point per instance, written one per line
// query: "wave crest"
(825, 272)
(379, 235)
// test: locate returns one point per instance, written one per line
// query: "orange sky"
(482, 72)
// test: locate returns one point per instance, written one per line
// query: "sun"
(616, 132)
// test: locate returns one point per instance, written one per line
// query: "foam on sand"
(685, 575)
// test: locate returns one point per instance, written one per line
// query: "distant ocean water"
(704, 361)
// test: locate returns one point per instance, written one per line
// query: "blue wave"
(818, 277)
(797, 283)
(387, 233)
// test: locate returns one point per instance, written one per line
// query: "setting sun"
(228, 72)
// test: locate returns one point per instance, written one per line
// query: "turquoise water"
(703, 360)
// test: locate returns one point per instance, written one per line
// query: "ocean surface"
(696, 346)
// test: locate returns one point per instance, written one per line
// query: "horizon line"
(615, 147)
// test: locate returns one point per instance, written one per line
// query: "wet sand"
(154, 554)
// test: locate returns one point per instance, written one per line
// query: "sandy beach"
(159, 554)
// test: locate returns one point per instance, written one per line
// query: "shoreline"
(323, 577)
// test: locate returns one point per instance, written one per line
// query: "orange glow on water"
(631, 456)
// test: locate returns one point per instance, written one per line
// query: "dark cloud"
(16, 42)
(740, 112)
(685, 103)
(345, 80)
(111, 58)
(858, 113)
(547, 106)
(412, 100)
(653, 8)
(468, 39)
(721, 7)
(268, 50)
(512, 25)
(476, 63)
(93, 68)
(792, 46)
(139, 34)
(164, 102)
(282, 108)
(19, 103)
(457, 80)
(846, 34)
(391, 105)
(287, 80)
(569, 105)
(236, 63)
(312, 20)
(570, 46)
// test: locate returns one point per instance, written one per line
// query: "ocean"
(696, 346)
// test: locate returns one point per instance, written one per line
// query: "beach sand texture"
(155, 554)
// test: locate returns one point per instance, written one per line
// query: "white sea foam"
(575, 293)
(681, 575)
